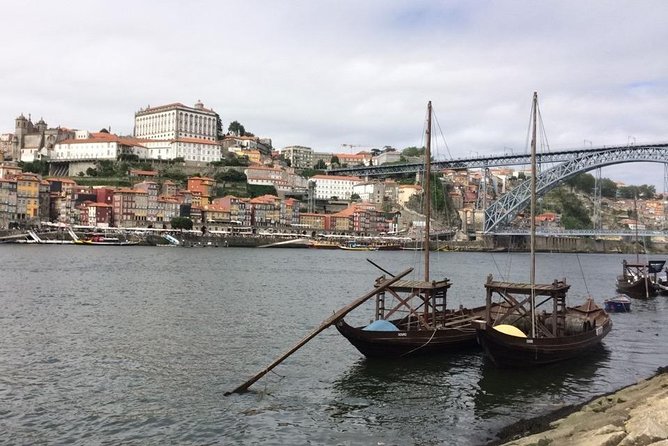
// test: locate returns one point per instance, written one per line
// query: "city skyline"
(337, 74)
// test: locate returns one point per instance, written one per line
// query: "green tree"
(608, 188)
(334, 161)
(583, 182)
(255, 190)
(308, 172)
(39, 167)
(574, 215)
(220, 133)
(106, 168)
(236, 128)
(181, 223)
(413, 151)
(230, 175)
(320, 165)
(91, 172)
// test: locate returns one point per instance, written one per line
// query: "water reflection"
(427, 396)
(506, 391)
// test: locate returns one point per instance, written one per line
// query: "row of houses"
(27, 200)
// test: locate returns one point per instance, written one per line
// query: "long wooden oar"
(326, 323)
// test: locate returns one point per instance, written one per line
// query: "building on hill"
(179, 131)
(77, 154)
(406, 191)
(265, 211)
(299, 157)
(356, 159)
(95, 214)
(9, 170)
(6, 146)
(331, 186)
(32, 142)
(283, 180)
(176, 120)
(315, 221)
(237, 144)
(386, 157)
(152, 190)
(202, 189)
(8, 201)
(239, 209)
(325, 157)
(27, 196)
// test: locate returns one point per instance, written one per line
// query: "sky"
(332, 73)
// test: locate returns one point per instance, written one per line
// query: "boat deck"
(408, 285)
(525, 288)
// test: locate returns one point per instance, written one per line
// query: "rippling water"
(137, 345)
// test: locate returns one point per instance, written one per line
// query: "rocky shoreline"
(636, 415)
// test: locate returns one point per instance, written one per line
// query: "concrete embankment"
(633, 416)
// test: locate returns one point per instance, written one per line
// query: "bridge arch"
(506, 208)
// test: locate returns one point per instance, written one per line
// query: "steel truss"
(506, 208)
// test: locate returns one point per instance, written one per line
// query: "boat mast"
(427, 192)
(635, 212)
(645, 268)
(534, 112)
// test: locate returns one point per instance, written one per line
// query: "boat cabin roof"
(409, 285)
(542, 289)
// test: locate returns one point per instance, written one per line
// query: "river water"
(137, 345)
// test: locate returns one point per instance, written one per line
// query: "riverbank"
(634, 415)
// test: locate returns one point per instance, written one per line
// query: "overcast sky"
(326, 73)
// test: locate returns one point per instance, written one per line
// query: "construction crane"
(354, 145)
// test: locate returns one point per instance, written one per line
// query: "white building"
(173, 121)
(284, 180)
(300, 157)
(190, 149)
(98, 146)
(330, 186)
(386, 157)
(178, 131)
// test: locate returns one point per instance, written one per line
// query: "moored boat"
(100, 240)
(411, 316)
(317, 244)
(639, 280)
(514, 333)
(618, 304)
(355, 246)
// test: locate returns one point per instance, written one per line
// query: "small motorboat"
(621, 303)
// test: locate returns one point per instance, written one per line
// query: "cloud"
(330, 72)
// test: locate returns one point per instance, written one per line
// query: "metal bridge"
(600, 233)
(569, 163)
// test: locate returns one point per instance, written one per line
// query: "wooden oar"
(326, 323)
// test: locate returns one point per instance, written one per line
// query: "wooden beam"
(326, 323)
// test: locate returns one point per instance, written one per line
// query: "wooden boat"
(636, 280)
(100, 240)
(410, 315)
(662, 283)
(514, 334)
(618, 304)
(323, 244)
(354, 246)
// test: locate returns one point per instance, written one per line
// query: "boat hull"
(638, 289)
(396, 344)
(508, 351)
(619, 304)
